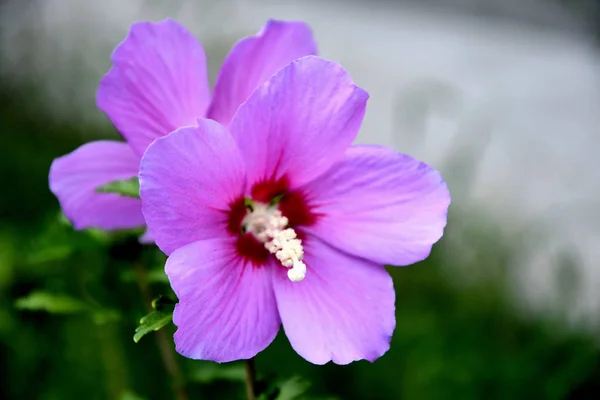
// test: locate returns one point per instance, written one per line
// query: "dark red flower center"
(293, 204)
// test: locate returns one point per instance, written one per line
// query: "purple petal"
(299, 122)
(188, 180)
(75, 177)
(158, 83)
(380, 205)
(255, 59)
(147, 238)
(342, 311)
(226, 309)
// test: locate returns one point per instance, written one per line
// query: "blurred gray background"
(502, 96)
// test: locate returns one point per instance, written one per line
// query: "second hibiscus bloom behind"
(278, 219)
(157, 84)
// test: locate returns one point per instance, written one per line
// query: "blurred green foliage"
(455, 337)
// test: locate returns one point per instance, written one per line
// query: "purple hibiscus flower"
(278, 219)
(157, 84)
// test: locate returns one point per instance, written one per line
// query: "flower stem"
(165, 349)
(250, 379)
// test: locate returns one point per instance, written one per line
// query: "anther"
(270, 227)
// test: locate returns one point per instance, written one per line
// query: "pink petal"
(158, 83)
(380, 205)
(343, 310)
(188, 180)
(147, 238)
(226, 309)
(75, 177)
(299, 122)
(255, 59)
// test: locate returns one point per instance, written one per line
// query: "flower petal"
(188, 180)
(75, 177)
(342, 311)
(226, 308)
(380, 205)
(146, 238)
(255, 59)
(299, 122)
(158, 83)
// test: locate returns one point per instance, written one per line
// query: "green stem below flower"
(165, 349)
(250, 379)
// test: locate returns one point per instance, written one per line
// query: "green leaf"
(292, 388)
(63, 220)
(157, 276)
(282, 389)
(127, 187)
(56, 303)
(152, 322)
(161, 303)
(49, 254)
(51, 302)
